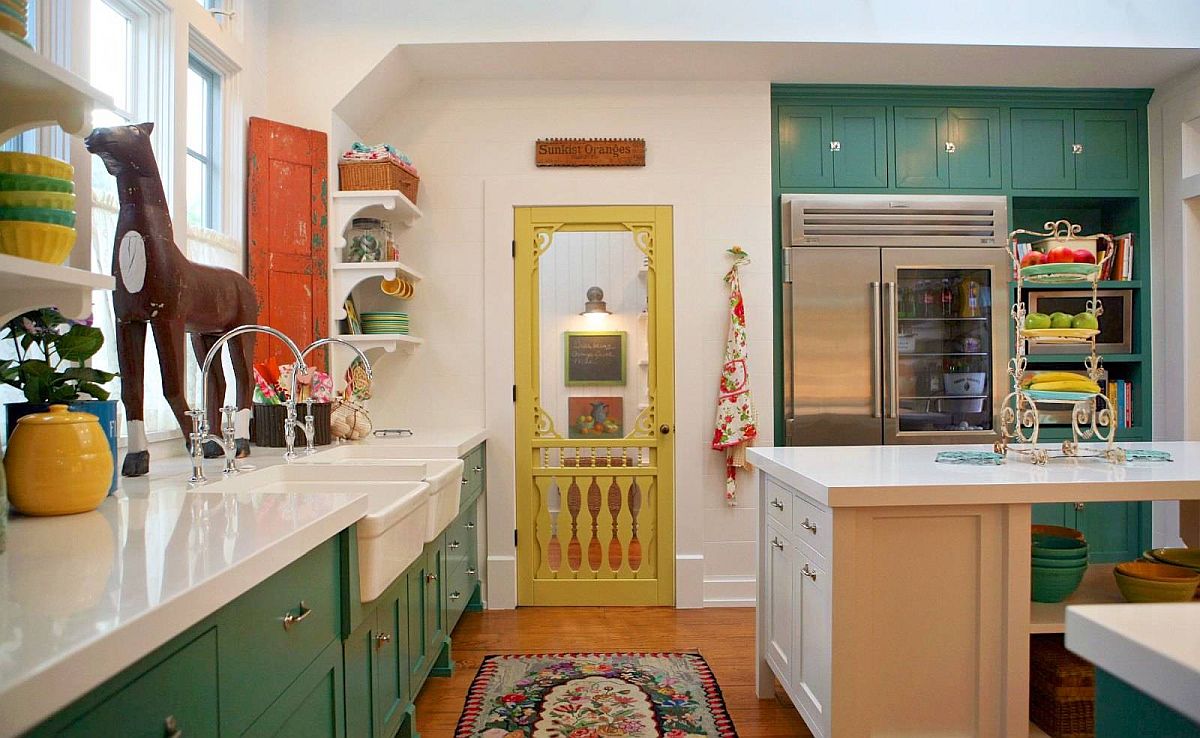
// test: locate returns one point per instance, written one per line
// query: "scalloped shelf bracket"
(388, 205)
(36, 92)
(26, 284)
(388, 343)
(344, 277)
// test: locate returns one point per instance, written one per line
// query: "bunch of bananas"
(1060, 382)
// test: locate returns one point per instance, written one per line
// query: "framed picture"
(594, 357)
(595, 417)
(1116, 322)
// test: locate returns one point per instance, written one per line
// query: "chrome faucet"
(308, 427)
(200, 432)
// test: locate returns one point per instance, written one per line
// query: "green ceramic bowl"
(1055, 585)
(34, 183)
(1055, 547)
(1188, 558)
(40, 215)
(1134, 589)
(1080, 563)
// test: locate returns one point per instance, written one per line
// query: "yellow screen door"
(594, 406)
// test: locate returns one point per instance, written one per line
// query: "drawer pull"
(478, 469)
(809, 572)
(381, 639)
(464, 481)
(171, 728)
(777, 504)
(775, 542)
(455, 595)
(430, 578)
(289, 620)
(809, 526)
(470, 571)
(453, 545)
(470, 526)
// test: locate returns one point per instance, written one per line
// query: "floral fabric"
(634, 695)
(736, 424)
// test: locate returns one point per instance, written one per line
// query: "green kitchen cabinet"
(358, 656)
(391, 673)
(426, 611)
(1112, 529)
(1083, 149)
(975, 157)
(940, 147)
(179, 693)
(313, 706)
(1123, 710)
(833, 146)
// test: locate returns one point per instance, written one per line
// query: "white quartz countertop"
(1154, 647)
(864, 476)
(433, 444)
(84, 596)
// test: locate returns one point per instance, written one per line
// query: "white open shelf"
(36, 91)
(1098, 587)
(344, 277)
(389, 205)
(388, 342)
(26, 284)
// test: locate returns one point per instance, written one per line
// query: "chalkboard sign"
(594, 357)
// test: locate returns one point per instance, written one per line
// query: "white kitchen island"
(893, 591)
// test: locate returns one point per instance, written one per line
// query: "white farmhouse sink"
(443, 475)
(390, 536)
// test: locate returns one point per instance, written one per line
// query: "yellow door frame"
(643, 466)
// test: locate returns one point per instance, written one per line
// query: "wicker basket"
(378, 175)
(1062, 689)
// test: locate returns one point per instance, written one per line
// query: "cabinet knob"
(453, 545)
(291, 619)
(171, 728)
(809, 572)
(470, 525)
(478, 469)
(775, 542)
(430, 578)
(464, 481)
(455, 595)
(809, 526)
(1076, 148)
(381, 639)
(470, 571)
(777, 504)
(1079, 506)
(950, 147)
(835, 145)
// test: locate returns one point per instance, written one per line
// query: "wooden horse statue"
(157, 286)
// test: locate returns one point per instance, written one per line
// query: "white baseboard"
(730, 591)
(689, 581)
(501, 583)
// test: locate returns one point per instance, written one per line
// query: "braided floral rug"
(595, 695)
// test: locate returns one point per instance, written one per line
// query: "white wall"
(708, 157)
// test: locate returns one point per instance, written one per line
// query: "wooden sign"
(590, 152)
(594, 357)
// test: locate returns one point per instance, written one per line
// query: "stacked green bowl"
(1059, 564)
(37, 207)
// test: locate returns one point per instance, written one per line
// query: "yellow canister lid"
(58, 415)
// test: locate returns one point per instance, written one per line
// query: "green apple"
(1085, 320)
(1037, 321)
(1060, 320)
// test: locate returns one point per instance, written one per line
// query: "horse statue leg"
(214, 393)
(169, 339)
(131, 352)
(241, 354)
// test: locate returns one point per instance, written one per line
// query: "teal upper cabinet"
(947, 147)
(1064, 149)
(832, 146)
(1109, 156)
(1041, 148)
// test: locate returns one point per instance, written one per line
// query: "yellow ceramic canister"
(58, 463)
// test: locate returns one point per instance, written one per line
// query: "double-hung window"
(203, 140)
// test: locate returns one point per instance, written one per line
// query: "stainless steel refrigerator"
(895, 317)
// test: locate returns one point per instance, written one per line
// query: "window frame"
(211, 215)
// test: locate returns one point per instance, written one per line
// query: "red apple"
(1060, 255)
(1083, 256)
(1033, 258)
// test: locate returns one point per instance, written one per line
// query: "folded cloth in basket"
(379, 152)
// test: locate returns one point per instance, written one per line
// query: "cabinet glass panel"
(944, 349)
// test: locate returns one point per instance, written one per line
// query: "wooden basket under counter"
(1062, 689)
(378, 175)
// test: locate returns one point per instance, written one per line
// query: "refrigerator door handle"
(876, 361)
(891, 401)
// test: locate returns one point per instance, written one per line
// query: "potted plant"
(49, 369)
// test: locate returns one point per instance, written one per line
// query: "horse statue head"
(124, 149)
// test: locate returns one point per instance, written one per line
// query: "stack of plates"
(385, 322)
(14, 18)
(37, 206)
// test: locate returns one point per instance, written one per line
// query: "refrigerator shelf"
(943, 397)
(940, 319)
(936, 354)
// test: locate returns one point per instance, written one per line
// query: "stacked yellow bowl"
(14, 19)
(37, 207)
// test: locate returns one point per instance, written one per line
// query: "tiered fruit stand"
(1092, 416)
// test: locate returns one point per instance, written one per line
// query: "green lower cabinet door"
(860, 146)
(921, 152)
(179, 694)
(419, 657)
(435, 598)
(805, 157)
(358, 653)
(1111, 529)
(974, 135)
(1041, 148)
(312, 707)
(1107, 157)
(1123, 710)
(1053, 513)
(391, 685)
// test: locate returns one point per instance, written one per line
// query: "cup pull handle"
(775, 542)
(291, 619)
(809, 526)
(777, 504)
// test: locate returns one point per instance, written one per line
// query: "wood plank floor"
(724, 636)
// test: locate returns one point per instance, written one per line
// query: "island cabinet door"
(780, 561)
(390, 646)
(313, 706)
(812, 642)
